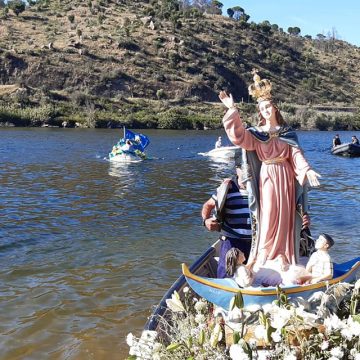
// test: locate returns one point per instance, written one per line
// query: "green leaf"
(232, 303)
(239, 301)
(173, 346)
(236, 337)
(356, 318)
(245, 346)
(201, 337)
(131, 357)
(189, 342)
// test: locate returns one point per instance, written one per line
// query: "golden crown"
(260, 89)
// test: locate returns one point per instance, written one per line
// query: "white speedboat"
(223, 152)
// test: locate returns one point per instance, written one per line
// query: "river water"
(87, 249)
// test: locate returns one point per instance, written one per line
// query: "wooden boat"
(348, 149)
(206, 265)
(202, 279)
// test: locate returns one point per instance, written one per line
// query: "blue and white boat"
(221, 291)
(201, 277)
(130, 148)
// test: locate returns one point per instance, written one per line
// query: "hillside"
(143, 62)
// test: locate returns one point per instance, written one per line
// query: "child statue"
(319, 266)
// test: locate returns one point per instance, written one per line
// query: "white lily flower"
(200, 306)
(186, 289)
(324, 345)
(130, 339)
(357, 356)
(316, 296)
(333, 323)
(216, 335)
(157, 347)
(252, 308)
(279, 317)
(276, 336)
(237, 352)
(267, 308)
(309, 319)
(234, 315)
(263, 355)
(148, 335)
(337, 352)
(346, 333)
(290, 356)
(357, 285)
(260, 332)
(354, 326)
(200, 318)
(175, 304)
(353, 352)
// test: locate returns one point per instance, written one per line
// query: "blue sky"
(311, 16)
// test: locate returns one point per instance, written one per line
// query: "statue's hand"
(312, 177)
(226, 99)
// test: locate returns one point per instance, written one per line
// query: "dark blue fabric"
(243, 244)
(286, 133)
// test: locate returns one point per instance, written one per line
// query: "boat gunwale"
(270, 290)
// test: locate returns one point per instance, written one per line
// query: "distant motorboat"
(223, 152)
(347, 149)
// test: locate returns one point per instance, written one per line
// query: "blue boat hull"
(221, 291)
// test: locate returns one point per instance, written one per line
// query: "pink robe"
(276, 188)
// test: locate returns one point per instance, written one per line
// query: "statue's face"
(320, 243)
(266, 109)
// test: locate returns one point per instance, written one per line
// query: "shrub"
(322, 122)
(160, 94)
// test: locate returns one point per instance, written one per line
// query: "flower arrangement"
(325, 326)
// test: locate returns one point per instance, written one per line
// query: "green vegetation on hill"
(161, 63)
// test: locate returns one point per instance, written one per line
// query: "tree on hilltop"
(216, 7)
(17, 6)
(239, 14)
(230, 12)
(294, 30)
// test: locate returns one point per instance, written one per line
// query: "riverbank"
(166, 114)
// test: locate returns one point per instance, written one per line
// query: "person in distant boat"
(218, 143)
(115, 150)
(355, 140)
(235, 225)
(236, 269)
(280, 174)
(319, 266)
(336, 140)
(128, 146)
